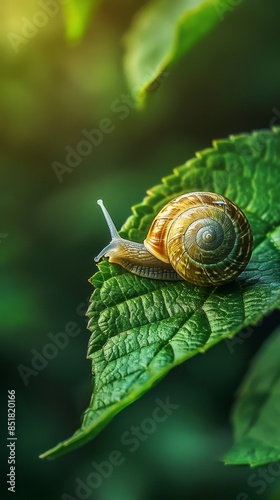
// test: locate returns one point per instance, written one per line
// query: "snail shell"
(202, 237)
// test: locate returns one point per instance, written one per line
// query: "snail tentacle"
(133, 256)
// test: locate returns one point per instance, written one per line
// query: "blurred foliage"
(179, 25)
(77, 16)
(52, 90)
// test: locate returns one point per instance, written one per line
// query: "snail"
(200, 237)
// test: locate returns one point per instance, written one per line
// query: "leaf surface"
(142, 328)
(256, 414)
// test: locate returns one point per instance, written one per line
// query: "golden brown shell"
(205, 236)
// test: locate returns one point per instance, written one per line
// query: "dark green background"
(50, 91)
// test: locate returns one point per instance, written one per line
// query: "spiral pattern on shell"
(205, 236)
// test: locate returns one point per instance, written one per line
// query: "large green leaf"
(256, 415)
(141, 328)
(161, 33)
(77, 15)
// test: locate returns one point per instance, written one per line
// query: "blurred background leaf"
(77, 15)
(50, 91)
(161, 33)
(256, 413)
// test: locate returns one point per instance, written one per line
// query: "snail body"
(200, 237)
